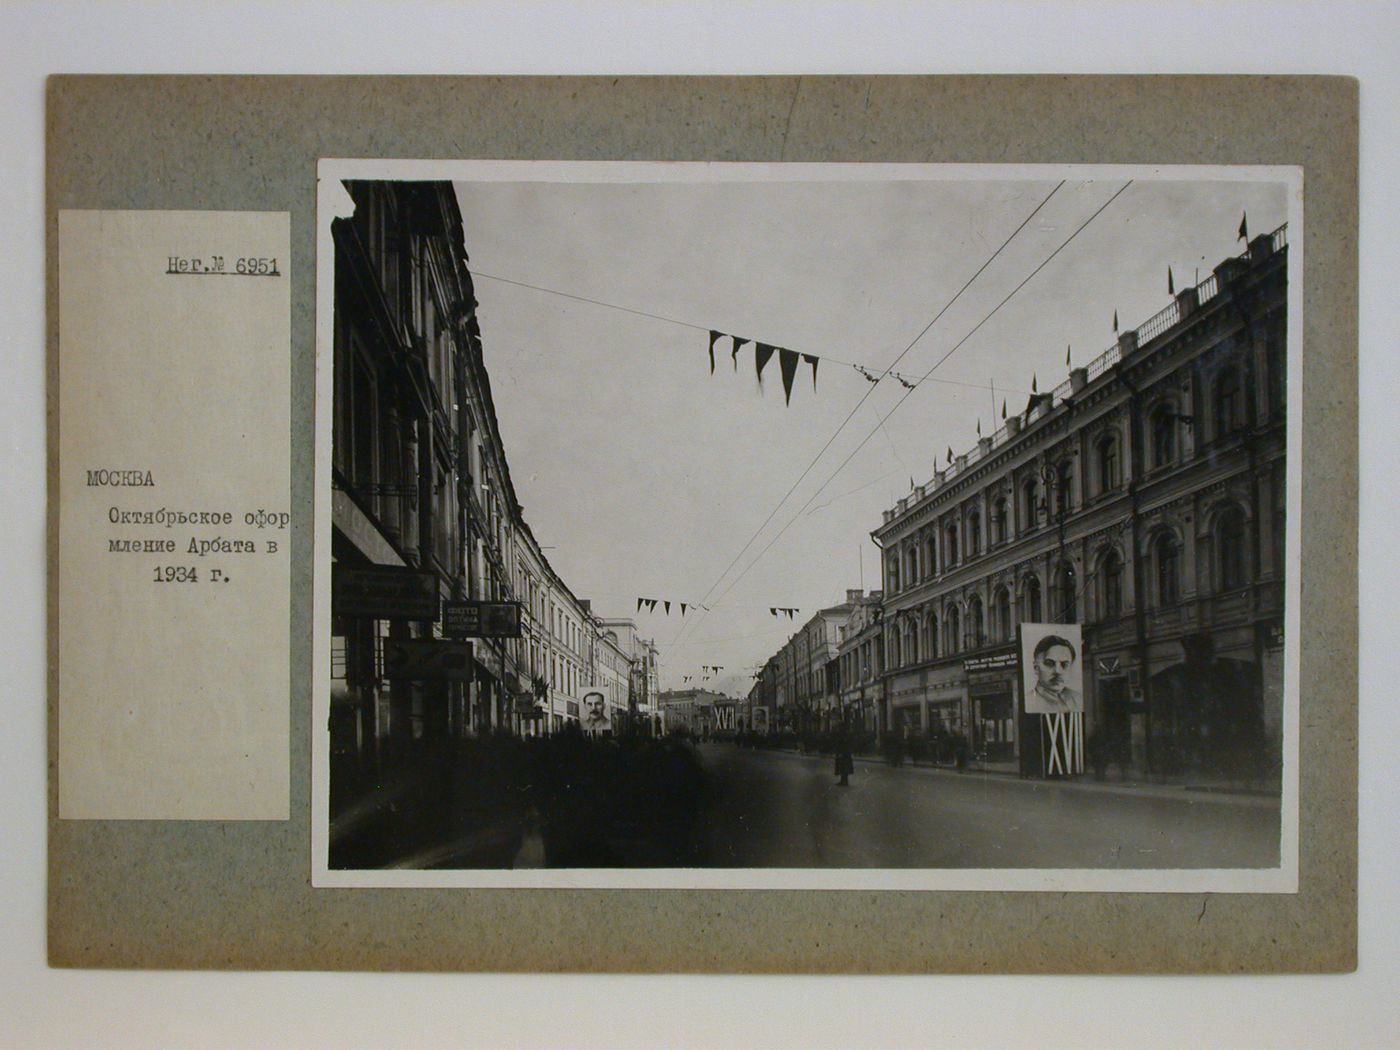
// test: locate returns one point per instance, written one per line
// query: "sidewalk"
(1195, 791)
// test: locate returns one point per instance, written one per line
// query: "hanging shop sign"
(384, 593)
(474, 619)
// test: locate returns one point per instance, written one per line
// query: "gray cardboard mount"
(237, 895)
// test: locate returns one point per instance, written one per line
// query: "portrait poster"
(1052, 666)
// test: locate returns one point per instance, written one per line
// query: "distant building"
(1144, 499)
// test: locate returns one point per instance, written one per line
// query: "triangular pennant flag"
(651, 605)
(713, 336)
(1244, 227)
(1115, 328)
(734, 353)
(640, 602)
(790, 612)
(787, 364)
(1066, 355)
(911, 482)
(812, 360)
(762, 352)
(682, 608)
(979, 428)
(1003, 408)
(668, 607)
(773, 612)
(950, 453)
(1115, 322)
(1171, 284)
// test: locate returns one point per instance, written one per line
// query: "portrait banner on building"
(1052, 668)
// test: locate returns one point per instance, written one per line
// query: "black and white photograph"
(800, 525)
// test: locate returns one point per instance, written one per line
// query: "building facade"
(421, 488)
(860, 658)
(1144, 499)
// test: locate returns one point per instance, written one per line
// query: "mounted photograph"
(829, 526)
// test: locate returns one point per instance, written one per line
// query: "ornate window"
(976, 636)
(1028, 504)
(1109, 471)
(952, 629)
(1229, 402)
(1163, 425)
(1064, 487)
(1111, 585)
(1030, 601)
(1001, 614)
(999, 514)
(1066, 584)
(1167, 554)
(1230, 550)
(974, 534)
(950, 544)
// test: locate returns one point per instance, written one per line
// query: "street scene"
(781, 516)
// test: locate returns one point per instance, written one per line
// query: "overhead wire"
(851, 415)
(701, 328)
(1099, 211)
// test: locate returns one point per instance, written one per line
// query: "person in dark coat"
(845, 763)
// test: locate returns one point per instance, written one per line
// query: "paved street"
(780, 809)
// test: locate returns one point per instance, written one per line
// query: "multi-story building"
(860, 656)
(421, 486)
(697, 711)
(405, 344)
(800, 680)
(1143, 499)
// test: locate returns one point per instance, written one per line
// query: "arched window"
(1001, 614)
(892, 573)
(930, 636)
(1064, 487)
(1163, 435)
(1109, 475)
(950, 544)
(1229, 550)
(952, 628)
(931, 553)
(911, 641)
(999, 513)
(911, 566)
(974, 534)
(1066, 585)
(1030, 601)
(894, 659)
(1229, 401)
(1111, 585)
(1168, 557)
(976, 636)
(1028, 501)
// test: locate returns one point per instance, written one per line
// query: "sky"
(644, 475)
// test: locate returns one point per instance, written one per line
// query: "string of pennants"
(650, 605)
(788, 362)
(709, 671)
